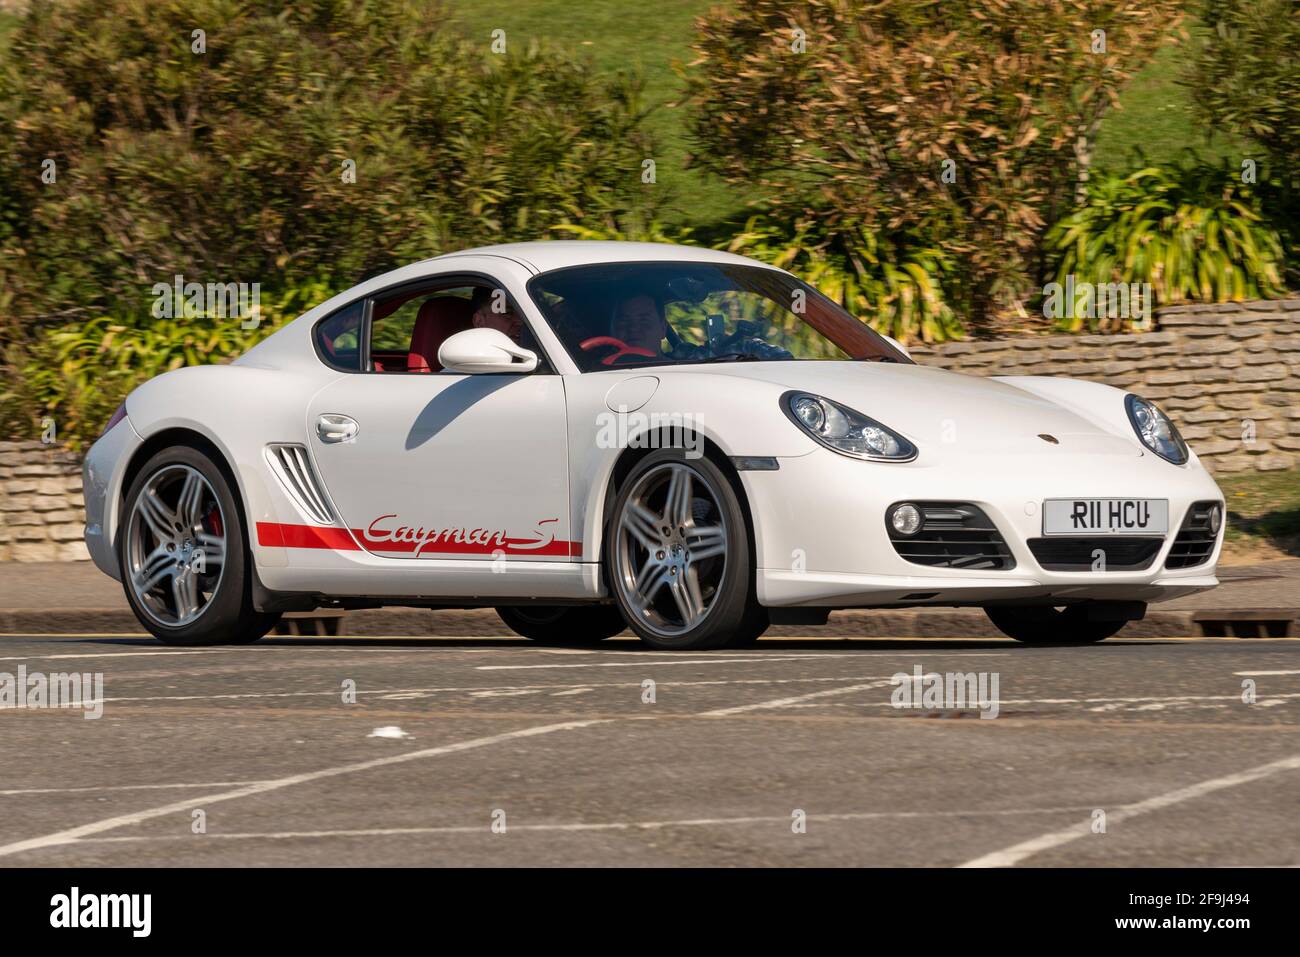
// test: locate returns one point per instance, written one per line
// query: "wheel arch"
(627, 460)
(193, 438)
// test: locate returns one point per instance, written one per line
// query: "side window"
(339, 338)
(392, 326)
(408, 327)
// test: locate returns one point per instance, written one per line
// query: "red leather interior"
(437, 319)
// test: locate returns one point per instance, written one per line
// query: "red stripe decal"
(278, 535)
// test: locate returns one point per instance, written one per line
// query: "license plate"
(1105, 516)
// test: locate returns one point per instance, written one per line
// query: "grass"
(1156, 118)
(1263, 513)
(1155, 122)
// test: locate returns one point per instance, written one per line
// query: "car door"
(447, 466)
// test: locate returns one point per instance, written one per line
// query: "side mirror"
(478, 351)
(896, 344)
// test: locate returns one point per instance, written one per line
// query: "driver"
(492, 311)
(639, 323)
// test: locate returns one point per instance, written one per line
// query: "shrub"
(1193, 233)
(969, 121)
(1247, 74)
(78, 373)
(229, 164)
(1246, 79)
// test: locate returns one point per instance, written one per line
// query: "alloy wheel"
(671, 549)
(176, 545)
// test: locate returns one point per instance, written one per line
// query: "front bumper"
(819, 528)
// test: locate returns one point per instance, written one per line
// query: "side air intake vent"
(293, 468)
(1196, 539)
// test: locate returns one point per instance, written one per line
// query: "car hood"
(935, 408)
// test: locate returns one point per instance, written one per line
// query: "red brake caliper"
(214, 521)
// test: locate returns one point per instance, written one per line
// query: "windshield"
(627, 314)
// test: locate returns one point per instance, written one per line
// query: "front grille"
(292, 467)
(1194, 543)
(1077, 554)
(952, 535)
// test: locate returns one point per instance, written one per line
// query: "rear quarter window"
(338, 338)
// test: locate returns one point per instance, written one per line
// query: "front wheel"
(563, 625)
(1036, 625)
(678, 558)
(185, 568)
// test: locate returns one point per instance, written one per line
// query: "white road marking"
(639, 664)
(1253, 674)
(125, 787)
(587, 826)
(1018, 852)
(122, 654)
(786, 702)
(391, 692)
(73, 834)
(388, 731)
(719, 660)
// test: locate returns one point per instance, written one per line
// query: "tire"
(179, 514)
(751, 629)
(564, 625)
(677, 556)
(1044, 625)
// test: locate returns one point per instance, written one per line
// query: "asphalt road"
(736, 748)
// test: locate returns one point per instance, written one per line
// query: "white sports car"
(592, 436)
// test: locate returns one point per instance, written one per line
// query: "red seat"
(438, 318)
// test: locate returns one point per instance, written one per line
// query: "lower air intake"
(952, 535)
(1195, 541)
(1109, 553)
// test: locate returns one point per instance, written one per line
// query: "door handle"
(332, 427)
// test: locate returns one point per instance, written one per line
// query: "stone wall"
(1218, 370)
(1228, 374)
(41, 512)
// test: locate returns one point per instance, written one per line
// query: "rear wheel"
(185, 567)
(563, 625)
(678, 558)
(1035, 625)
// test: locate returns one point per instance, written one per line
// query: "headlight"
(845, 431)
(1155, 430)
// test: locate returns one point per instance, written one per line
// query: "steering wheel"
(620, 348)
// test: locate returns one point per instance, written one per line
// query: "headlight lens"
(842, 429)
(1155, 430)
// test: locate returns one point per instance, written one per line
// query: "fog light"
(1216, 519)
(906, 519)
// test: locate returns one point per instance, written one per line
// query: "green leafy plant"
(77, 374)
(897, 292)
(1193, 233)
(354, 135)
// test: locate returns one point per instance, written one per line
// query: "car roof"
(559, 253)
